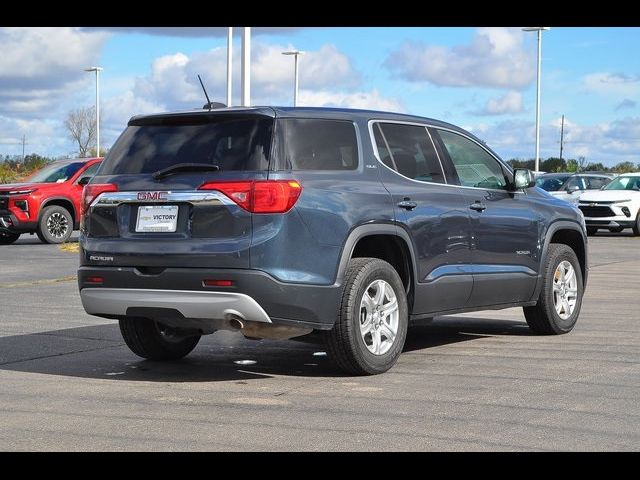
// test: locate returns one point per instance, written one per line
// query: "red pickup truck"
(47, 203)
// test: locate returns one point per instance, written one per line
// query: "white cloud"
(510, 102)
(371, 100)
(45, 58)
(173, 79)
(614, 84)
(607, 142)
(495, 58)
(194, 31)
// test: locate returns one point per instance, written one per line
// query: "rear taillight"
(91, 191)
(260, 196)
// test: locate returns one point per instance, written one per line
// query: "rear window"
(230, 143)
(315, 144)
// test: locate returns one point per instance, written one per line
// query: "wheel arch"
(60, 202)
(386, 242)
(572, 235)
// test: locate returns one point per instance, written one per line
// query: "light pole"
(97, 70)
(229, 58)
(539, 30)
(295, 54)
(246, 66)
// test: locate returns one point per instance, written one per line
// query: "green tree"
(596, 167)
(572, 165)
(553, 164)
(624, 167)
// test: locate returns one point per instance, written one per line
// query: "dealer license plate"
(157, 218)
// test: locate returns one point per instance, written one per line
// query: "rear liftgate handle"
(407, 204)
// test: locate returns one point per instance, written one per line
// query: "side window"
(596, 183)
(410, 152)
(575, 182)
(474, 165)
(381, 145)
(90, 172)
(316, 144)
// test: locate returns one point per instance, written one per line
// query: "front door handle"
(407, 204)
(478, 206)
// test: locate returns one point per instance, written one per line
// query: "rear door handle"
(407, 204)
(478, 207)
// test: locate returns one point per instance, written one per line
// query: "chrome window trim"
(437, 127)
(375, 149)
(110, 199)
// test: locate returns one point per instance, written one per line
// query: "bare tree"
(81, 126)
(582, 163)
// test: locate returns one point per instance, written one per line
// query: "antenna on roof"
(209, 103)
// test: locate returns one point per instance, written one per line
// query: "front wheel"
(55, 225)
(155, 341)
(8, 238)
(636, 227)
(371, 328)
(560, 299)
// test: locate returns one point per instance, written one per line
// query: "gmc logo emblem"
(152, 196)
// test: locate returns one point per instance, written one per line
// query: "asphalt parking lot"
(477, 381)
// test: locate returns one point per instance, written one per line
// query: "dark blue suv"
(276, 222)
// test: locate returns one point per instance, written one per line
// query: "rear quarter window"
(316, 144)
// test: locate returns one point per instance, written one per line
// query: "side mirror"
(573, 188)
(84, 180)
(523, 178)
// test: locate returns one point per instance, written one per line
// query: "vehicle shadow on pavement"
(99, 352)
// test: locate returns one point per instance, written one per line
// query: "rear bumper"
(205, 305)
(254, 295)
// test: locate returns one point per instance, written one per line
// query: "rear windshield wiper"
(185, 167)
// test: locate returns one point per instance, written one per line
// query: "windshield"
(551, 184)
(151, 145)
(624, 183)
(55, 173)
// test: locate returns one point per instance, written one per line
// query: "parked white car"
(615, 207)
(570, 186)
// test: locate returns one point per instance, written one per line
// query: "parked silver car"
(569, 186)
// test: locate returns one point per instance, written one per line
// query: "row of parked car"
(607, 201)
(48, 202)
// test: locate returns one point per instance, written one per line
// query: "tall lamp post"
(539, 30)
(97, 70)
(229, 61)
(295, 54)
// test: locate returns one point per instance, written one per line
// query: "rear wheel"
(55, 225)
(591, 230)
(560, 299)
(371, 328)
(8, 238)
(155, 341)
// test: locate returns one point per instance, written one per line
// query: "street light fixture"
(539, 30)
(97, 70)
(295, 53)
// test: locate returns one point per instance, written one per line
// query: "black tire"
(636, 227)
(345, 344)
(8, 238)
(154, 341)
(616, 229)
(55, 225)
(591, 230)
(543, 317)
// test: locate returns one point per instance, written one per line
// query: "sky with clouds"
(482, 79)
